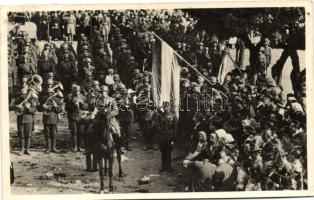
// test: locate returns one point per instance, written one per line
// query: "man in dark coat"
(165, 127)
(74, 105)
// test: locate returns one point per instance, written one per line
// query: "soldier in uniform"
(87, 123)
(74, 105)
(12, 79)
(68, 73)
(87, 83)
(46, 65)
(164, 125)
(125, 117)
(51, 107)
(25, 106)
(105, 104)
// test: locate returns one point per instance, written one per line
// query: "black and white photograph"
(157, 100)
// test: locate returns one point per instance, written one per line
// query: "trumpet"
(29, 95)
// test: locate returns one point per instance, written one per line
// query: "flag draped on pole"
(165, 76)
(226, 66)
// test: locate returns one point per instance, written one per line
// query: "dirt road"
(64, 173)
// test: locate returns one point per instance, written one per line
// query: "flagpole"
(235, 64)
(191, 66)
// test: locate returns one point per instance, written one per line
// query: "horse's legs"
(110, 163)
(119, 162)
(101, 174)
(106, 167)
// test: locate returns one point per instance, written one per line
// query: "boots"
(54, 143)
(79, 144)
(22, 141)
(94, 163)
(88, 161)
(48, 141)
(74, 142)
(28, 143)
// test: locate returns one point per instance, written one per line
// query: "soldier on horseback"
(106, 131)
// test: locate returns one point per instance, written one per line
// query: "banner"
(226, 66)
(165, 76)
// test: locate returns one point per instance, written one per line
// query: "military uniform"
(125, 118)
(87, 123)
(68, 74)
(74, 107)
(25, 122)
(165, 128)
(51, 108)
(12, 79)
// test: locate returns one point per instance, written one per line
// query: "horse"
(105, 146)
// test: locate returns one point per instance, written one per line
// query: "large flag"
(226, 66)
(165, 76)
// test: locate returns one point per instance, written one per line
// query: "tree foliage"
(228, 22)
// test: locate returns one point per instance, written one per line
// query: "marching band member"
(25, 107)
(125, 117)
(74, 107)
(51, 107)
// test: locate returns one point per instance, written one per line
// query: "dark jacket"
(74, 110)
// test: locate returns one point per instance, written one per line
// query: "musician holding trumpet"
(51, 107)
(25, 107)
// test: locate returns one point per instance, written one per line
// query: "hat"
(146, 73)
(104, 88)
(50, 74)
(213, 79)
(95, 82)
(184, 70)
(136, 71)
(116, 77)
(88, 60)
(250, 129)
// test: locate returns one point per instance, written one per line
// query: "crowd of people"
(241, 135)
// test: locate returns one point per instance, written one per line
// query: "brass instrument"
(35, 83)
(29, 95)
(56, 94)
(51, 98)
(58, 86)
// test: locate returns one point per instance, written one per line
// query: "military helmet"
(104, 88)
(212, 79)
